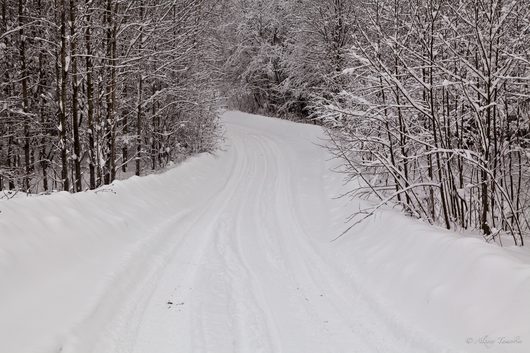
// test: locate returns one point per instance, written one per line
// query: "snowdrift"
(473, 295)
(61, 254)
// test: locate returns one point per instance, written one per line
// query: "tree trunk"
(75, 87)
(90, 98)
(62, 100)
(25, 99)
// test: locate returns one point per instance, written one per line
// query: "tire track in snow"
(133, 289)
(376, 329)
(246, 316)
(244, 272)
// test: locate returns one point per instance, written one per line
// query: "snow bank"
(59, 254)
(474, 295)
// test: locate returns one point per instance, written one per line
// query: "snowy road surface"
(226, 253)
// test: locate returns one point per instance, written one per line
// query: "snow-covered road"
(243, 267)
(223, 254)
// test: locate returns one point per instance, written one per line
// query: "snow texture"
(231, 253)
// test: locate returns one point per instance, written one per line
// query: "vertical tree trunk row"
(84, 81)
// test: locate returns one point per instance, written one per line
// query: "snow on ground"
(231, 253)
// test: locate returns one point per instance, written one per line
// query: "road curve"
(246, 264)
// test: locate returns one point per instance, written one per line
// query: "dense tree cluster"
(281, 53)
(90, 89)
(426, 101)
(433, 111)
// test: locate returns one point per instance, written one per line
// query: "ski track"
(245, 269)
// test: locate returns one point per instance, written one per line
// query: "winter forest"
(265, 176)
(427, 102)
